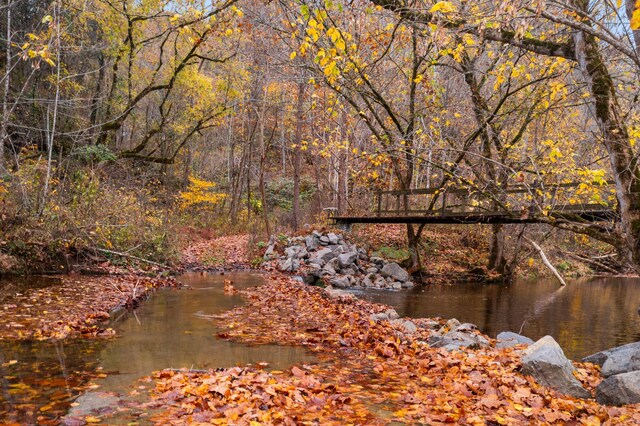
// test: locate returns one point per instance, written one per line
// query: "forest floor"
(368, 372)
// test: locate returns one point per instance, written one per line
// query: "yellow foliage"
(200, 192)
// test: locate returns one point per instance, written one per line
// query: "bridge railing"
(517, 200)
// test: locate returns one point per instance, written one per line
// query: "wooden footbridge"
(517, 204)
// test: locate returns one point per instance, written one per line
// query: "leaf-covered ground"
(74, 306)
(371, 373)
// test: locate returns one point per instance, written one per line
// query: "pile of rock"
(333, 260)
(621, 368)
(546, 362)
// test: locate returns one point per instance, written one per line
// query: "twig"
(130, 256)
(546, 261)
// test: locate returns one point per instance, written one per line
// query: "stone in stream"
(450, 325)
(508, 339)
(94, 403)
(617, 360)
(408, 326)
(619, 389)
(395, 271)
(545, 361)
(379, 282)
(340, 282)
(457, 340)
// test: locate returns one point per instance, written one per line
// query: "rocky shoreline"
(331, 260)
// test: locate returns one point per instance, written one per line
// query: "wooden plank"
(466, 218)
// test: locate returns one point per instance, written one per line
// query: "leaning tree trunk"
(616, 141)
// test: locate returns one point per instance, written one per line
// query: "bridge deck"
(521, 204)
(474, 218)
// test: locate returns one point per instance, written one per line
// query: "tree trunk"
(631, 6)
(615, 138)
(297, 157)
(4, 127)
(497, 260)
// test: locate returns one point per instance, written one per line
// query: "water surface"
(586, 316)
(171, 329)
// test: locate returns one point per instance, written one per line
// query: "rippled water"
(584, 317)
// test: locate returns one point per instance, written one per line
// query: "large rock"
(347, 259)
(619, 389)
(340, 282)
(545, 361)
(323, 256)
(333, 238)
(457, 340)
(617, 360)
(296, 252)
(508, 339)
(395, 271)
(311, 241)
(290, 265)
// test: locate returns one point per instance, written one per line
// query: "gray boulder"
(340, 282)
(508, 339)
(347, 259)
(451, 325)
(379, 282)
(296, 252)
(392, 314)
(545, 361)
(324, 240)
(333, 238)
(408, 284)
(367, 281)
(379, 317)
(396, 285)
(321, 257)
(619, 389)
(395, 271)
(289, 265)
(269, 253)
(466, 327)
(311, 242)
(617, 360)
(457, 340)
(408, 326)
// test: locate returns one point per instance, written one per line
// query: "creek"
(586, 316)
(169, 330)
(39, 380)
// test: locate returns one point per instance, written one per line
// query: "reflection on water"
(584, 317)
(171, 330)
(38, 380)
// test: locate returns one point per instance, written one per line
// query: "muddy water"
(38, 380)
(584, 317)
